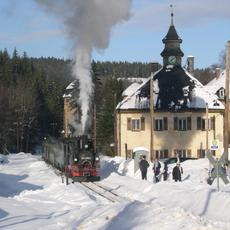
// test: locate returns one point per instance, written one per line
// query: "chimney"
(218, 71)
(154, 66)
(190, 63)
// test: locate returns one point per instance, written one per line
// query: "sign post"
(218, 170)
(217, 175)
(214, 144)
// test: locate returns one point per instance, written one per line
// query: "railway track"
(104, 192)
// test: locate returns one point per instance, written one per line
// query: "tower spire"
(172, 13)
(172, 52)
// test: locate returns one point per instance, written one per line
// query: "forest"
(31, 98)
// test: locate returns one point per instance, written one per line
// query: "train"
(75, 157)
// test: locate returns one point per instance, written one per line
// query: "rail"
(104, 192)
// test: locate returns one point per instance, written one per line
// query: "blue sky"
(203, 25)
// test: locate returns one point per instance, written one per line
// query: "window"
(221, 93)
(136, 124)
(201, 153)
(202, 124)
(182, 152)
(161, 124)
(162, 153)
(182, 124)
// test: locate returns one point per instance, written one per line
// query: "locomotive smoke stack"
(88, 24)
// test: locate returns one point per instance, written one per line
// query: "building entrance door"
(137, 153)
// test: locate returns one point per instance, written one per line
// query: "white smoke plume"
(88, 24)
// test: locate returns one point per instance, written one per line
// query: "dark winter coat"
(143, 165)
(176, 173)
(156, 168)
(165, 172)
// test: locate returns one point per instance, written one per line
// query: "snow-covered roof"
(200, 96)
(217, 83)
(69, 89)
(67, 95)
(131, 89)
(71, 85)
(140, 148)
(134, 79)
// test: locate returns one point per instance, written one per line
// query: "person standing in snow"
(227, 169)
(143, 165)
(165, 172)
(156, 169)
(177, 171)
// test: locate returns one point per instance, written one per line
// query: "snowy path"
(32, 196)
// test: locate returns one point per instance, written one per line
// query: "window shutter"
(165, 120)
(198, 123)
(175, 123)
(189, 123)
(129, 125)
(157, 154)
(213, 122)
(154, 124)
(175, 152)
(142, 123)
(203, 124)
(166, 153)
(189, 153)
(198, 153)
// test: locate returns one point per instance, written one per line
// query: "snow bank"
(32, 195)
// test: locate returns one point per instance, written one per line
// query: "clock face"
(172, 60)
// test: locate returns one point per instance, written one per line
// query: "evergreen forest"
(31, 98)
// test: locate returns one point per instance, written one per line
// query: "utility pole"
(115, 125)
(206, 123)
(226, 112)
(151, 118)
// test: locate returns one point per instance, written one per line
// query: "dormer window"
(221, 93)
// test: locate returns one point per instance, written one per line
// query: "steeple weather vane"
(172, 12)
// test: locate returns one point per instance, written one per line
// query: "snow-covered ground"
(32, 196)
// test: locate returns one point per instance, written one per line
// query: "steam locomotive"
(82, 163)
(77, 158)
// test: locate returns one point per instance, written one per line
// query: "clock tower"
(172, 53)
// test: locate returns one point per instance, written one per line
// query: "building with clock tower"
(172, 53)
(171, 113)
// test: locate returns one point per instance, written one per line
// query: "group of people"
(144, 165)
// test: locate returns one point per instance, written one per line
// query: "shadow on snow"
(27, 218)
(113, 167)
(11, 185)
